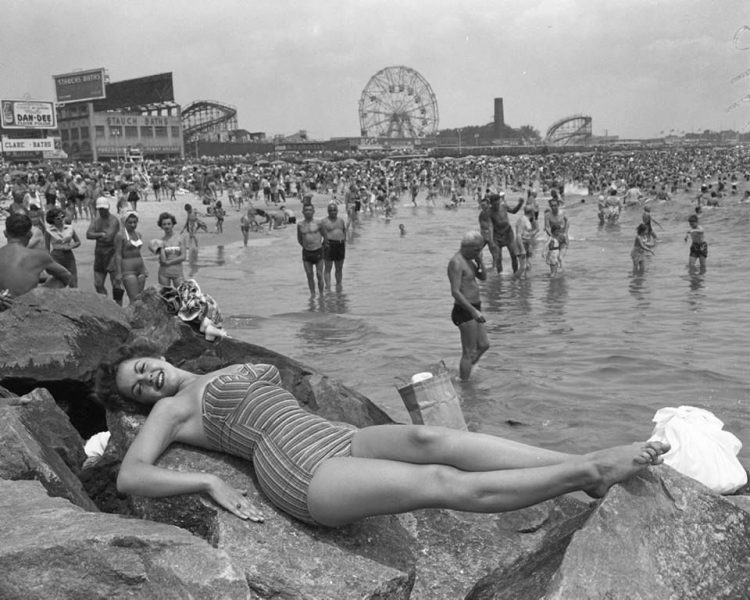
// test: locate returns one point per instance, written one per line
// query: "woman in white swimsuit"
(171, 252)
(129, 265)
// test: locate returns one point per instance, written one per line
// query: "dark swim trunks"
(460, 315)
(104, 259)
(699, 250)
(312, 256)
(335, 250)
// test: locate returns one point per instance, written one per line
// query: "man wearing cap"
(104, 227)
(502, 230)
(334, 246)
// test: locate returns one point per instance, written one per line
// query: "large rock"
(24, 456)
(658, 535)
(52, 550)
(56, 339)
(51, 426)
(50, 335)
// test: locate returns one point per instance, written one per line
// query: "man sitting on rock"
(21, 267)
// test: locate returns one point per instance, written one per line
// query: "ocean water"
(576, 363)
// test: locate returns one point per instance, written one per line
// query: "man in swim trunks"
(464, 269)
(20, 267)
(698, 246)
(334, 249)
(104, 227)
(502, 230)
(311, 237)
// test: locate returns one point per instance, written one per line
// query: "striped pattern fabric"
(251, 416)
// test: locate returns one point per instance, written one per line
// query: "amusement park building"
(135, 114)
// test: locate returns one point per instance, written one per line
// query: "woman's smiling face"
(146, 380)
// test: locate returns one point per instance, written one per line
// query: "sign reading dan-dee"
(28, 114)
(80, 86)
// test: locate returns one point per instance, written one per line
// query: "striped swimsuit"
(251, 416)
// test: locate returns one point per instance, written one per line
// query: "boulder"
(52, 549)
(56, 339)
(24, 456)
(51, 335)
(657, 535)
(51, 426)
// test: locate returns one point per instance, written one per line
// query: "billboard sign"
(27, 145)
(28, 114)
(80, 86)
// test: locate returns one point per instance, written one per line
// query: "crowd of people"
(342, 474)
(55, 197)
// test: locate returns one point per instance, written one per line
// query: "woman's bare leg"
(344, 490)
(464, 450)
(132, 285)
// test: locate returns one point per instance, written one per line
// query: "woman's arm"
(118, 257)
(76, 240)
(138, 474)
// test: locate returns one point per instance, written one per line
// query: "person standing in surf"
(311, 236)
(334, 248)
(502, 230)
(641, 247)
(698, 247)
(556, 226)
(464, 269)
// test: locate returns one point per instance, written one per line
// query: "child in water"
(553, 256)
(219, 213)
(641, 246)
(698, 247)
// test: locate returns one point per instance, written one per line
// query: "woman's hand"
(234, 501)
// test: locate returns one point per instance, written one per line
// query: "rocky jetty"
(67, 533)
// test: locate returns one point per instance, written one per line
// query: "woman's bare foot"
(621, 462)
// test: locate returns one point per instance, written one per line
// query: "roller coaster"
(570, 131)
(208, 120)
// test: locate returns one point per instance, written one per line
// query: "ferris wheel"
(398, 102)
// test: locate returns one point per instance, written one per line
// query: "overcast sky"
(637, 67)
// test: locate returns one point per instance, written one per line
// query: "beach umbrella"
(349, 161)
(262, 163)
(278, 163)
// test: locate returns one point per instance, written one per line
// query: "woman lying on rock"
(333, 474)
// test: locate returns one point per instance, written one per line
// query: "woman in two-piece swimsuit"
(171, 252)
(61, 239)
(129, 265)
(327, 473)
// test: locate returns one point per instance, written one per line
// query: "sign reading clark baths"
(28, 114)
(80, 86)
(27, 145)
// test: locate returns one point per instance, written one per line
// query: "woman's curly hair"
(105, 384)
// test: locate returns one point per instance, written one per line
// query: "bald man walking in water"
(464, 269)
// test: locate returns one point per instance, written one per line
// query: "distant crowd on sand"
(55, 197)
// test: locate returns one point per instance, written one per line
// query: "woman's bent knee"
(411, 443)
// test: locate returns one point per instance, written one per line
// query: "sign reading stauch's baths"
(80, 85)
